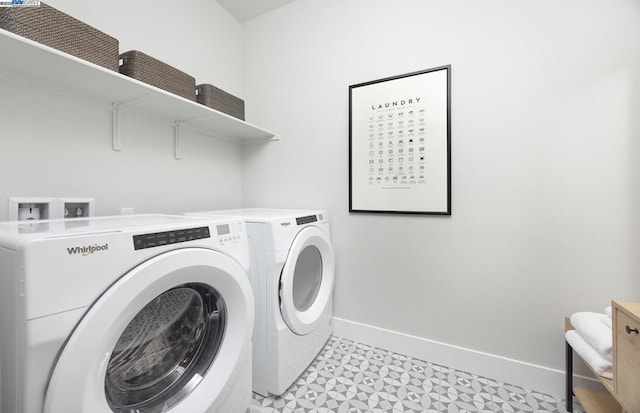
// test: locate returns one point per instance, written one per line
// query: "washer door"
(166, 337)
(306, 282)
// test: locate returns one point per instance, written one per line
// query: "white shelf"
(28, 60)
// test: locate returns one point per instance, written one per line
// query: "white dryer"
(145, 314)
(292, 273)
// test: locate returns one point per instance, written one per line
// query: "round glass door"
(165, 350)
(307, 280)
(168, 336)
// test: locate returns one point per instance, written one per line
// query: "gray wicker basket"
(150, 70)
(53, 28)
(218, 99)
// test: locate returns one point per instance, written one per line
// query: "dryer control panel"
(158, 239)
(306, 220)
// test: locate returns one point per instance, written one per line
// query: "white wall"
(54, 144)
(546, 184)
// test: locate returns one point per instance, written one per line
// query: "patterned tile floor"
(357, 378)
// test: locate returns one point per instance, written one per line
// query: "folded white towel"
(599, 364)
(594, 332)
(607, 311)
(607, 321)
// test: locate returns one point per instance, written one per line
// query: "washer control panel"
(158, 239)
(229, 232)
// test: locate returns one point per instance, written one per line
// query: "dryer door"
(306, 283)
(166, 337)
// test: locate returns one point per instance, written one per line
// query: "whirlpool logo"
(87, 249)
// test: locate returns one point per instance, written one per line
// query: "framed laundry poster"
(400, 144)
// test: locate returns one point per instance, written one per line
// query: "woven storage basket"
(53, 28)
(149, 70)
(218, 99)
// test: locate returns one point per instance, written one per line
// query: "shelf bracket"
(116, 124)
(178, 135)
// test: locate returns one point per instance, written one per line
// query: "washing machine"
(145, 314)
(292, 274)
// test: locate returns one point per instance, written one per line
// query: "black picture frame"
(400, 144)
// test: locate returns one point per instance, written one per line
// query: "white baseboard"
(530, 376)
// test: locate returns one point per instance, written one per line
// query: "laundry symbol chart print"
(399, 133)
(397, 144)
